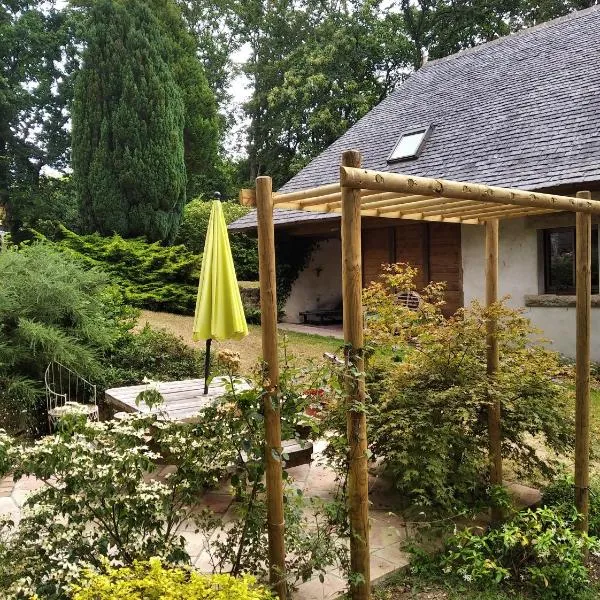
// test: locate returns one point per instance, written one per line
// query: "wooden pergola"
(362, 192)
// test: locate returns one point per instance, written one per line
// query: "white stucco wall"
(319, 284)
(518, 276)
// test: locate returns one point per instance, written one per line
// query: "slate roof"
(282, 217)
(522, 111)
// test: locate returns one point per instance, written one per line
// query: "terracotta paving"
(387, 529)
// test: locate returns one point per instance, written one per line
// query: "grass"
(303, 346)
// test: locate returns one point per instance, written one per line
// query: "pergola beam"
(395, 182)
(322, 190)
(358, 474)
(583, 285)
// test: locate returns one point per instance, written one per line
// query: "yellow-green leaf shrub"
(154, 580)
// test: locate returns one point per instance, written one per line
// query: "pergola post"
(358, 481)
(583, 257)
(494, 409)
(273, 449)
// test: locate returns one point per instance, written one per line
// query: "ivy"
(293, 254)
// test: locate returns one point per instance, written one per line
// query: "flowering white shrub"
(101, 503)
(99, 500)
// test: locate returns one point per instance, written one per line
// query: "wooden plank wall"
(433, 248)
(445, 262)
(377, 249)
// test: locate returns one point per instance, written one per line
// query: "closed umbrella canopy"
(219, 310)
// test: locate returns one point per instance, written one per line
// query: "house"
(522, 111)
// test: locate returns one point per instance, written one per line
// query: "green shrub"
(153, 580)
(560, 495)
(538, 550)
(151, 276)
(151, 354)
(50, 309)
(53, 200)
(100, 503)
(244, 248)
(428, 417)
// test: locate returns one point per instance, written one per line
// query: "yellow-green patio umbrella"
(219, 310)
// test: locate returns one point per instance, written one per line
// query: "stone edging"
(556, 301)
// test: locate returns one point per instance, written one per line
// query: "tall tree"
(128, 121)
(316, 67)
(202, 128)
(33, 115)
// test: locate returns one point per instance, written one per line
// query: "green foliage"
(151, 354)
(151, 276)
(34, 89)
(50, 309)
(52, 201)
(560, 495)
(293, 255)
(538, 551)
(431, 426)
(192, 234)
(201, 130)
(341, 64)
(128, 142)
(100, 503)
(153, 580)
(101, 507)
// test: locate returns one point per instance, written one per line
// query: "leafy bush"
(50, 309)
(151, 354)
(153, 580)
(151, 276)
(53, 200)
(193, 228)
(560, 495)
(293, 255)
(429, 421)
(100, 503)
(537, 550)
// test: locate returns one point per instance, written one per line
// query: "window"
(409, 145)
(559, 260)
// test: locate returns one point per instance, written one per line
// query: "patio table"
(183, 400)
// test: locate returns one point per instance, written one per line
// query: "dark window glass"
(559, 260)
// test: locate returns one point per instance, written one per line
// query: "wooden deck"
(183, 400)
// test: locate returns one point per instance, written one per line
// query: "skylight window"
(409, 145)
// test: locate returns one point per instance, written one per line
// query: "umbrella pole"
(206, 365)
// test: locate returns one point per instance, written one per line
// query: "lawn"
(302, 345)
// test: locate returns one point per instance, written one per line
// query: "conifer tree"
(201, 120)
(128, 122)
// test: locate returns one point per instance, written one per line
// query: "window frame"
(546, 259)
(426, 130)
